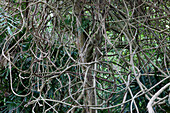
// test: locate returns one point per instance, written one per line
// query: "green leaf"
(1, 24)
(12, 25)
(2, 19)
(9, 31)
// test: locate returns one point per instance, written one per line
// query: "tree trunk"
(85, 48)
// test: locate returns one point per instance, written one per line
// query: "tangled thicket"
(84, 56)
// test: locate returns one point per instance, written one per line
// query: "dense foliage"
(84, 56)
